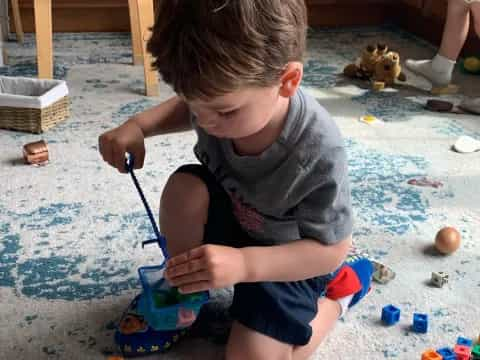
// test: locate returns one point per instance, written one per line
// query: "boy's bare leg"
(327, 315)
(439, 70)
(245, 343)
(183, 212)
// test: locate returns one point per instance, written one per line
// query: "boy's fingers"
(189, 279)
(195, 287)
(186, 256)
(139, 158)
(119, 159)
(108, 153)
(189, 267)
(103, 149)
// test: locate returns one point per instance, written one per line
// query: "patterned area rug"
(70, 232)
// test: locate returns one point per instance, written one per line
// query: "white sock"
(344, 303)
(442, 64)
(471, 105)
(438, 70)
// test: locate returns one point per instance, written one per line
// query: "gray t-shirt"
(297, 188)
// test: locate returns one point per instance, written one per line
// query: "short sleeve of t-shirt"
(325, 214)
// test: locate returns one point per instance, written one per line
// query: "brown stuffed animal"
(378, 65)
(382, 49)
(364, 67)
(368, 60)
(388, 69)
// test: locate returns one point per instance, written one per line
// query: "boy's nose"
(209, 125)
(208, 121)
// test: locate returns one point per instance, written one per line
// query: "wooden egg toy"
(447, 240)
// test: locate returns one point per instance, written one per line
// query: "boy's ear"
(291, 78)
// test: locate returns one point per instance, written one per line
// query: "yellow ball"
(472, 64)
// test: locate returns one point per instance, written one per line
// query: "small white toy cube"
(439, 278)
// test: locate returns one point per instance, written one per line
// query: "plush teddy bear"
(377, 64)
(387, 70)
(364, 67)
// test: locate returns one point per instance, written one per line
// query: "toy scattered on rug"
(463, 350)
(391, 315)
(158, 316)
(444, 106)
(447, 240)
(449, 107)
(439, 279)
(36, 153)
(370, 120)
(378, 65)
(425, 182)
(382, 274)
(466, 144)
(445, 90)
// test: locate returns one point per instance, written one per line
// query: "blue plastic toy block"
(420, 323)
(447, 353)
(390, 315)
(464, 341)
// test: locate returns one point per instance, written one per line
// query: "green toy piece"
(171, 296)
(476, 352)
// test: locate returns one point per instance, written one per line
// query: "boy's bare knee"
(250, 354)
(185, 192)
(245, 343)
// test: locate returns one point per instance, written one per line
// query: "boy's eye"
(228, 113)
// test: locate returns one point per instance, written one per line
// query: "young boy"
(268, 209)
(439, 69)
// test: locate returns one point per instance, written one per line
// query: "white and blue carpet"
(70, 232)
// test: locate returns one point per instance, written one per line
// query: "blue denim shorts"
(281, 310)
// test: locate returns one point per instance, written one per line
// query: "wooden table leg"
(146, 20)
(135, 31)
(3, 53)
(17, 19)
(43, 31)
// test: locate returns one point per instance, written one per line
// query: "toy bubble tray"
(163, 306)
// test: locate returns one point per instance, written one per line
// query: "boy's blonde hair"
(207, 48)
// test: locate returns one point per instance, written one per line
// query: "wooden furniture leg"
(17, 20)
(146, 19)
(43, 31)
(3, 53)
(135, 31)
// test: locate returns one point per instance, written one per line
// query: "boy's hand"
(206, 267)
(126, 138)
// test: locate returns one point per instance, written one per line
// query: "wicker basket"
(32, 105)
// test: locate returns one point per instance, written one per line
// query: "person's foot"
(471, 105)
(437, 71)
(352, 281)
